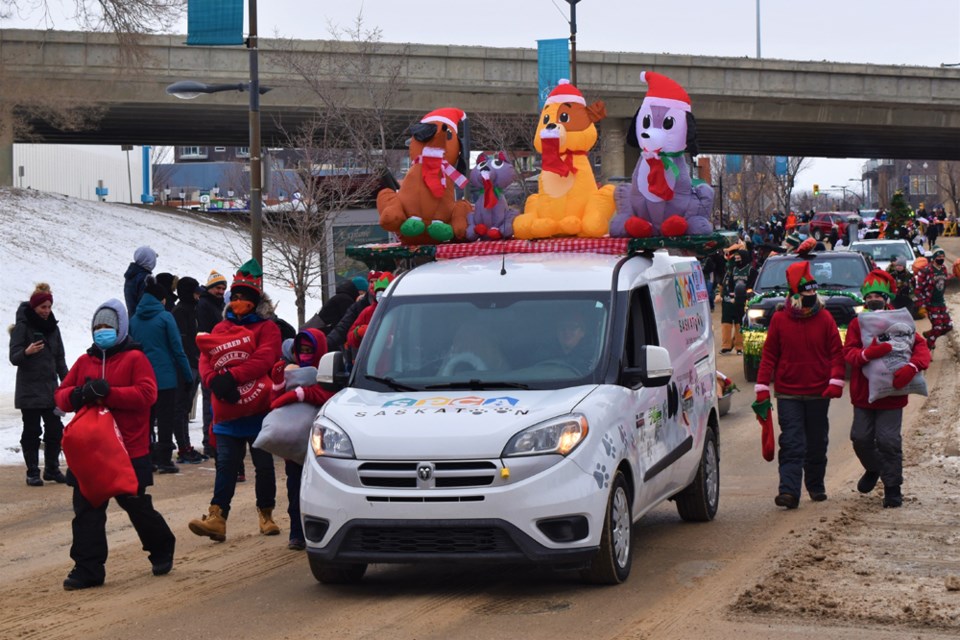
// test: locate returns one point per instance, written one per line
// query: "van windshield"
(488, 341)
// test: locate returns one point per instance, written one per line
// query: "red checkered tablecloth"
(613, 246)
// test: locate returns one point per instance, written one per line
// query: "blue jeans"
(804, 435)
(230, 452)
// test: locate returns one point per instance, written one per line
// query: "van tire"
(612, 563)
(817, 235)
(337, 572)
(699, 501)
(749, 370)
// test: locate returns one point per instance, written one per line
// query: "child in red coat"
(876, 425)
(308, 347)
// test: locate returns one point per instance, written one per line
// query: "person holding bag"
(875, 431)
(239, 380)
(114, 374)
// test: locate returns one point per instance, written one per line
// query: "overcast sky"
(915, 32)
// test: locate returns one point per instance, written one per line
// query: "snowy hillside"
(82, 249)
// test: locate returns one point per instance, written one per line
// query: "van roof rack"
(389, 256)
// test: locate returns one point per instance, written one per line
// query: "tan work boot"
(267, 526)
(213, 525)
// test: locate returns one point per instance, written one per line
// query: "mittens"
(876, 350)
(276, 374)
(904, 375)
(763, 392)
(834, 389)
(288, 398)
(224, 387)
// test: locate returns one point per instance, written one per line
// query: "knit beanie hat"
(106, 316)
(215, 279)
(250, 277)
(40, 295)
(879, 281)
(361, 283)
(938, 250)
(186, 287)
(799, 277)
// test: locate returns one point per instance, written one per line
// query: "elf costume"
(931, 283)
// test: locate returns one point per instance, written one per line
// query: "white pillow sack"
(897, 328)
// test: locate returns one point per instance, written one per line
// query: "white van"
(474, 426)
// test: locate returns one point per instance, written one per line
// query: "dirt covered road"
(845, 568)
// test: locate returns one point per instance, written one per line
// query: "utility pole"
(758, 29)
(573, 41)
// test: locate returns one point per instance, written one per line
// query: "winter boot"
(213, 525)
(868, 481)
(31, 456)
(51, 463)
(892, 498)
(267, 526)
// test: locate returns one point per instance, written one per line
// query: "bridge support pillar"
(612, 136)
(6, 152)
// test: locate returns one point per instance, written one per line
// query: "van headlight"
(561, 435)
(858, 309)
(327, 439)
(754, 314)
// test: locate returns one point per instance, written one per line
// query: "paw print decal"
(601, 476)
(609, 445)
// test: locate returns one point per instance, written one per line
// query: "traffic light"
(816, 189)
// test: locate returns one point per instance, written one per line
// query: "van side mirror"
(655, 369)
(331, 370)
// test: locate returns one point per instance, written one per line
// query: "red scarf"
(657, 180)
(436, 169)
(490, 195)
(555, 161)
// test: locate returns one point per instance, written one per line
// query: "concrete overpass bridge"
(743, 105)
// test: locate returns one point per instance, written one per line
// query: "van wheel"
(612, 563)
(337, 572)
(699, 501)
(817, 235)
(750, 369)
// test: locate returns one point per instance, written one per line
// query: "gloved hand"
(99, 387)
(904, 375)
(834, 390)
(224, 387)
(276, 374)
(762, 391)
(289, 397)
(922, 312)
(876, 350)
(360, 331)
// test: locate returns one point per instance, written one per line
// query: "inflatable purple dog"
(491, 219)
(661, 199)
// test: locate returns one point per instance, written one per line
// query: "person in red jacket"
(876, 425)
(252, 310)
(804, 356)
(308, 347)
(115, 373)
(359, 327)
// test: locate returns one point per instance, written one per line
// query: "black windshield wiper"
(393, 384)
(479, 385)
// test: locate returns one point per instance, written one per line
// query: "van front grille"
(428, 475)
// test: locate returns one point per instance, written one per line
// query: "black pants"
(804, 436)
(207, 416)
(294, 472)
(89, 548)
(164, 412)
(52, 430)
(878, 443)
(184, 402)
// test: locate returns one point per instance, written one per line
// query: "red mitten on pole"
(904, 375)
(876, 350)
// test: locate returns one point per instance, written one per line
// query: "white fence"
(74, 170)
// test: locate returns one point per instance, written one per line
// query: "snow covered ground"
(81, 249)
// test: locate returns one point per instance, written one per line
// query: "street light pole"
(256, 198)
(573, 41)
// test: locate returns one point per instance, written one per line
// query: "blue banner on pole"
(214, 22)
(734, 164)
(780, 165)
(553, 64)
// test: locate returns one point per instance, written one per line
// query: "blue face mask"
(105, 338)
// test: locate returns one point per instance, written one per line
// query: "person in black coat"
(337, 337)
(334, 309)
(185, 315)
(36, 349)
(209, 313)
(135, 277)
(169, 283)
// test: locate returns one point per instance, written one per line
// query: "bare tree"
(948, 184)
(512, 134)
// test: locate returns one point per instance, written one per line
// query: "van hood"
(443, 424)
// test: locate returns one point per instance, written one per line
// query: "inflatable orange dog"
(425, 210)
(565, 135)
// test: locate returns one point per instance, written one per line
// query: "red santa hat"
(448, 116)
(565, 92)
(799, 278)
(665, 91)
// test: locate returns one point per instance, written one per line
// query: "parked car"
(841, 272)
(822, 222)
(882, 251)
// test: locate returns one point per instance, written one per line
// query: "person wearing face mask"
(904, 285)
(116, 374)
(803, 357)
(740, 275)
(251, 309)
(209, 313)
(931, 283)
(36, 350)
(875, 432)
(359, 328)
